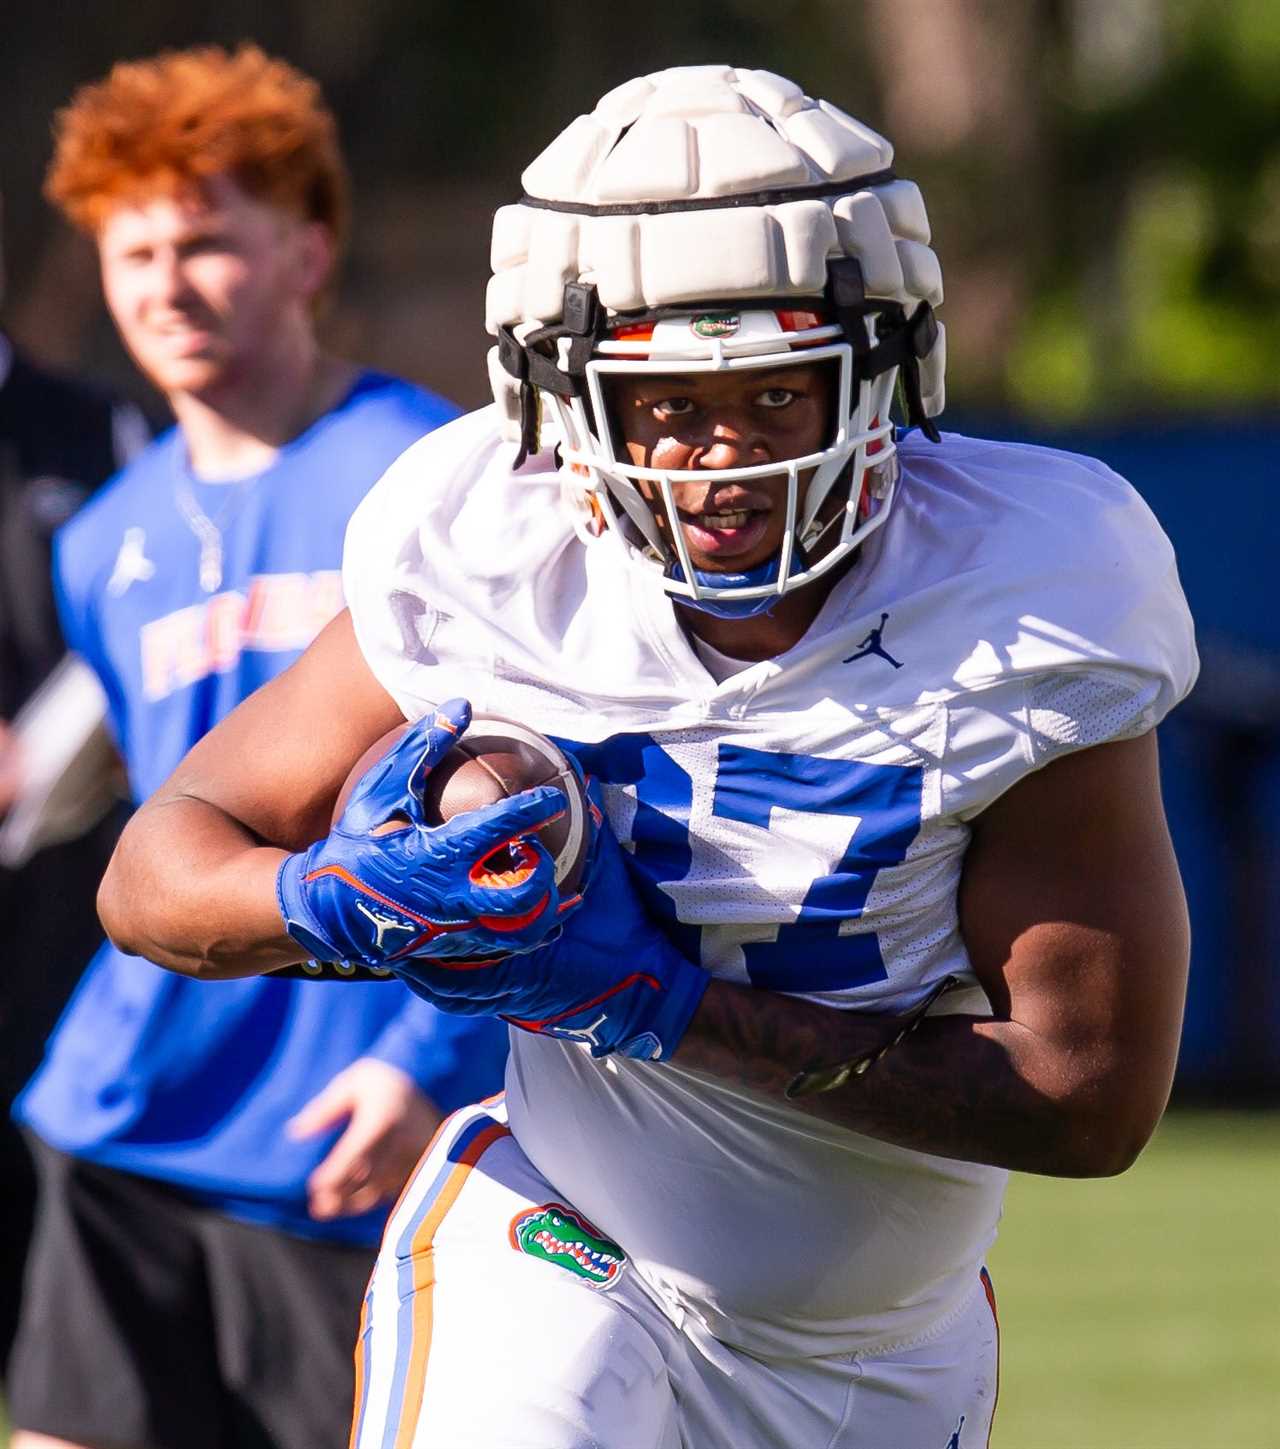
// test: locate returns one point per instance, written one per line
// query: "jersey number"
(881, 804)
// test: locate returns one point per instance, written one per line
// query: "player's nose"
(170, 283)
(732, 445)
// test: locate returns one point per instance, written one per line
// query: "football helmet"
(712, 219)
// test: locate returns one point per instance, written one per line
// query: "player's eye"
(673, 407)
(777, 397)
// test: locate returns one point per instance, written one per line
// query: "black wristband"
(333, 971)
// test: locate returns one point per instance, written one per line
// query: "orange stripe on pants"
(423, 1257)
(360, 1371)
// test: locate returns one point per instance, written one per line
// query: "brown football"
(495, 759)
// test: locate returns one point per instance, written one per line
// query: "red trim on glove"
(636, 976)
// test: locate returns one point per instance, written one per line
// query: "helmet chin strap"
(764, 573)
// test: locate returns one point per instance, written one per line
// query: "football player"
(883, 904)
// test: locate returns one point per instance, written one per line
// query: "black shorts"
(151, 1322)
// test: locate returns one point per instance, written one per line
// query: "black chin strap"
(902, 341)
(541, 362)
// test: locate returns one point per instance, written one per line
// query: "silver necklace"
(208, 531)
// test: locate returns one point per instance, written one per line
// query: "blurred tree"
(966, 103)
(1162, 282)
(1103, 175)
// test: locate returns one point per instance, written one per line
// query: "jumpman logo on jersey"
(383, 923)
(132, 564)
(872, 645)
(954, 1441)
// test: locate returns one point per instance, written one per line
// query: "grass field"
(1143, 1312)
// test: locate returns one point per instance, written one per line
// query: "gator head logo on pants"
(561, 1236)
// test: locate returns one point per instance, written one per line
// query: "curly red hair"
(158, 126)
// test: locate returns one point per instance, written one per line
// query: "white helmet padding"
(707, 189)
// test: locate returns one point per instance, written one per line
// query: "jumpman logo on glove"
(382, 923)
(342, 898)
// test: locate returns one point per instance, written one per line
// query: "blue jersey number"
(881, 802)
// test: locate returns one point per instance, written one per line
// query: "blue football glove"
(610, 978)
(372, 899)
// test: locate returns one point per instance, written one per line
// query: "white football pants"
(498, 1318)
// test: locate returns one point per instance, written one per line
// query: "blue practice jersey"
(191, 1082)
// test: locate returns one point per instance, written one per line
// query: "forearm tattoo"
(956, 1087)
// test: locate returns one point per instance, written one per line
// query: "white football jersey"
(799, 825)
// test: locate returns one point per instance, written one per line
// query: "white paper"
(68, 762)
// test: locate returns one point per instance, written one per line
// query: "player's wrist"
(301, 923)
(684, 986)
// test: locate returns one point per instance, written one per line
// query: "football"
(495, 759)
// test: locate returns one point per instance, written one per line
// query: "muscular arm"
(1073, 916)
(192, 882)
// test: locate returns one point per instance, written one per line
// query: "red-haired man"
(215, 1164)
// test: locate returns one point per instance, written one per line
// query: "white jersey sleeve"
(411, 560)
(1071, 610)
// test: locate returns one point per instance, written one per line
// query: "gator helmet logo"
(558, 1235)
(715, 324)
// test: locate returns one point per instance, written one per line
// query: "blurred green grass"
(1143, 1311)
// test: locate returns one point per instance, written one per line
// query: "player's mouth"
(182, 337)
(725, 533)
(186, 341)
